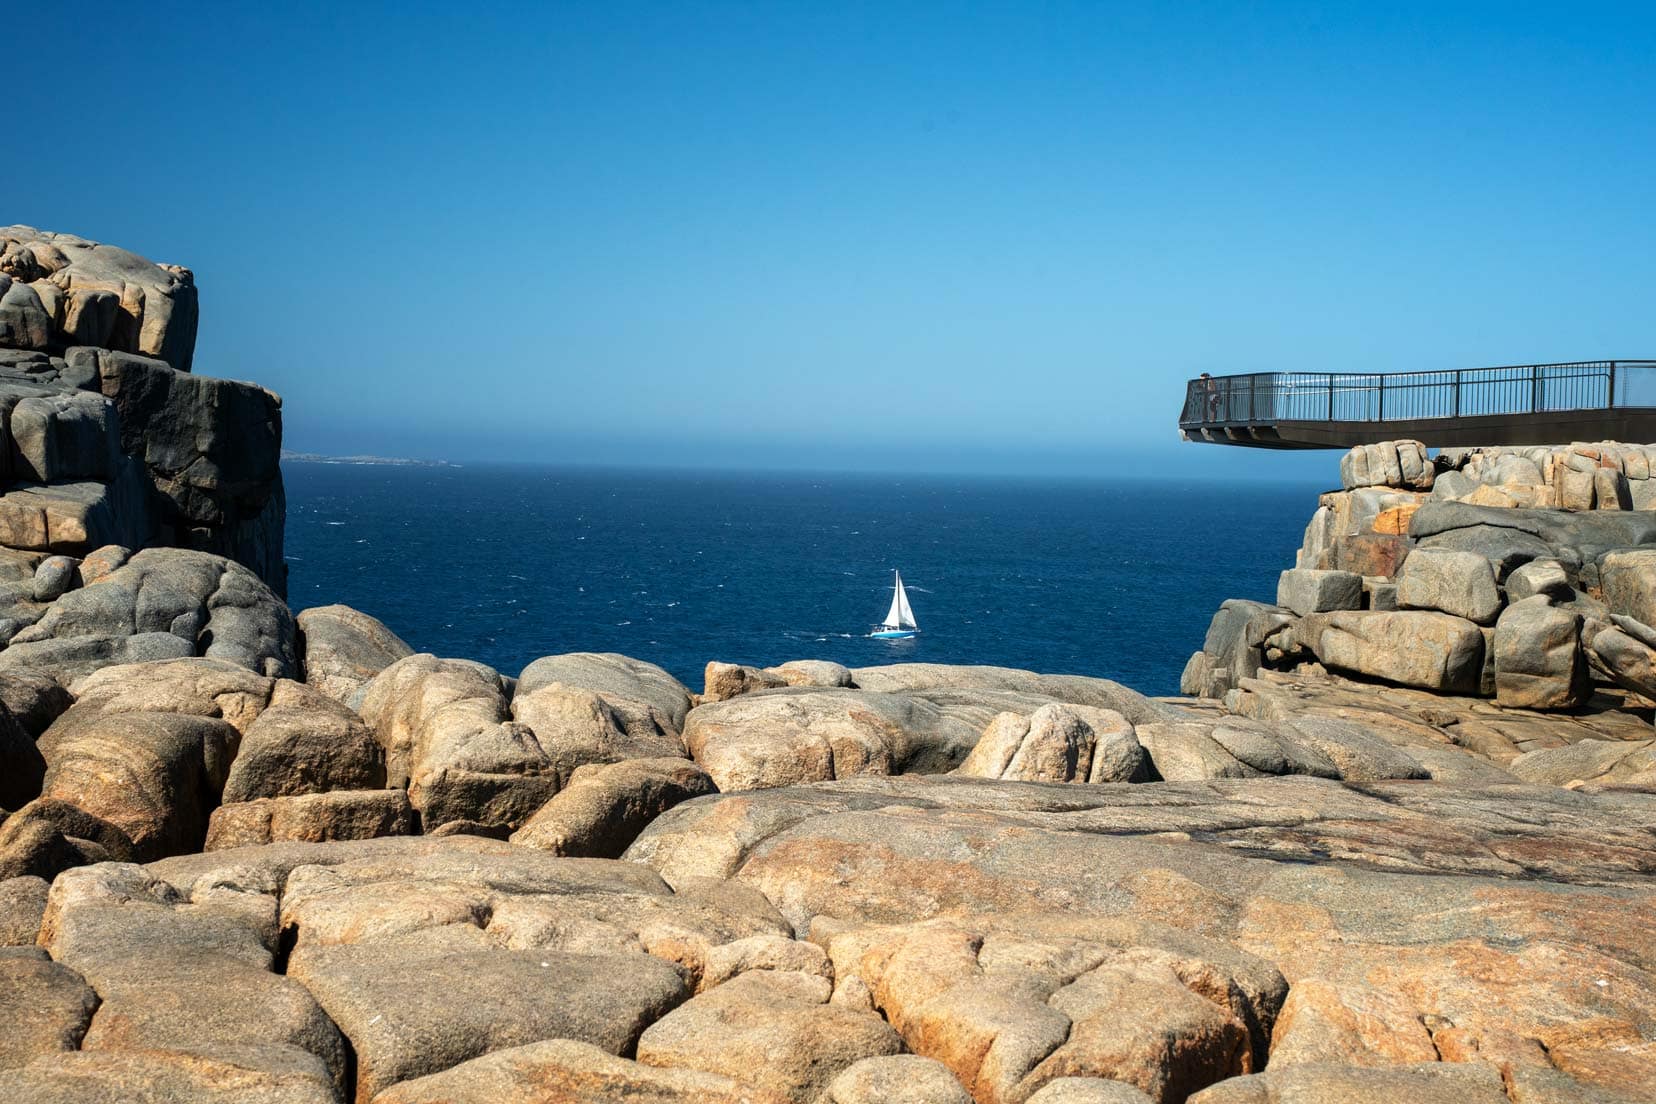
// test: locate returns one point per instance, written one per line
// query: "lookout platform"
(1525, 404)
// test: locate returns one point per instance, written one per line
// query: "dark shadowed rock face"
(111, 439)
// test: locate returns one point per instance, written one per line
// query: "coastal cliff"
(1397, 841)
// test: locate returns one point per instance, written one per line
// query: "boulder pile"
(1399, 846)
(1523, 575)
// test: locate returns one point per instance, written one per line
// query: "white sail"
(900, 616)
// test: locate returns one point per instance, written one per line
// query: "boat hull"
(894, 634)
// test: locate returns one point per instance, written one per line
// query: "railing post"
(1380, 415)
(1457, 391)
(1331, 398)
(1535, 388)
(1612, 384)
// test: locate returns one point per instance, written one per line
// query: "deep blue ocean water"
(506, 564)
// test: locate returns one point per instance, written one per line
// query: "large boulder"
(775, 1030)
(781, 737)
(212, 451)
(1306, 590)
(934, 680)
(1458, 583)
(1539, 663)
(449, 735)
(604, 806)
(45, 1005)
(648, 700)
(304, 742)
(154, 776)
(342, 648)
(312, 818)
(1388, 464)
(1058, 743)
(164, 603)
(570, 1072)
(1628, 581)
(1429, 650)
(1234, 648)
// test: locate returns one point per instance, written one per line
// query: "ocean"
(504, 564)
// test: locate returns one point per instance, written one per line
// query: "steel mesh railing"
(1268, 397)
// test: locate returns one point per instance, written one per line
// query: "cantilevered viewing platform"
(1526, 404)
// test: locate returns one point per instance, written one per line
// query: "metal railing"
(1268, 397)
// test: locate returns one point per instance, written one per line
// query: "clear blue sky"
(904, 236)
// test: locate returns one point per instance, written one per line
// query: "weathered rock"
(35, 699)
(576, 726)
(774, 1030)
(1458, 583)
(807, 734)
(22, 904)
(54, 576)
(212, 450)
(154, 776)
(935, 680)
(101, 295)
(604, 806)
(723, 681)
(567, 1072)
(312, 818)
(1626, 659)
(1011, 1003)
(1305, 590)
(260, 1074)
(304, 742)
(1494, 909)
(812, 672)
(208, 605)
(1234, 646)
(1434, 651)
(197, 687)
(1628, 580)
(410, 1013)
(1538, 659)
(49, 835)
(46, 1007)
(649, 701)
(1388, 464)
(907, 1078)
(1233, 747)
(1059, 743)
(1539, 577)
(342, 648)
(177, 973)
(1588, 761)
(1423, 1083)
(448, 735)
(1087, 1090)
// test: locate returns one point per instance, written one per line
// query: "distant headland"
(291, 457)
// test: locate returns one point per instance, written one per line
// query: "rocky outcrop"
(57, 291)
(111, 440)
(1301, 905)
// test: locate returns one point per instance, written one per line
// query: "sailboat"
(899, 620)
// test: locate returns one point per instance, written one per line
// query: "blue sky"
(919, 236)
